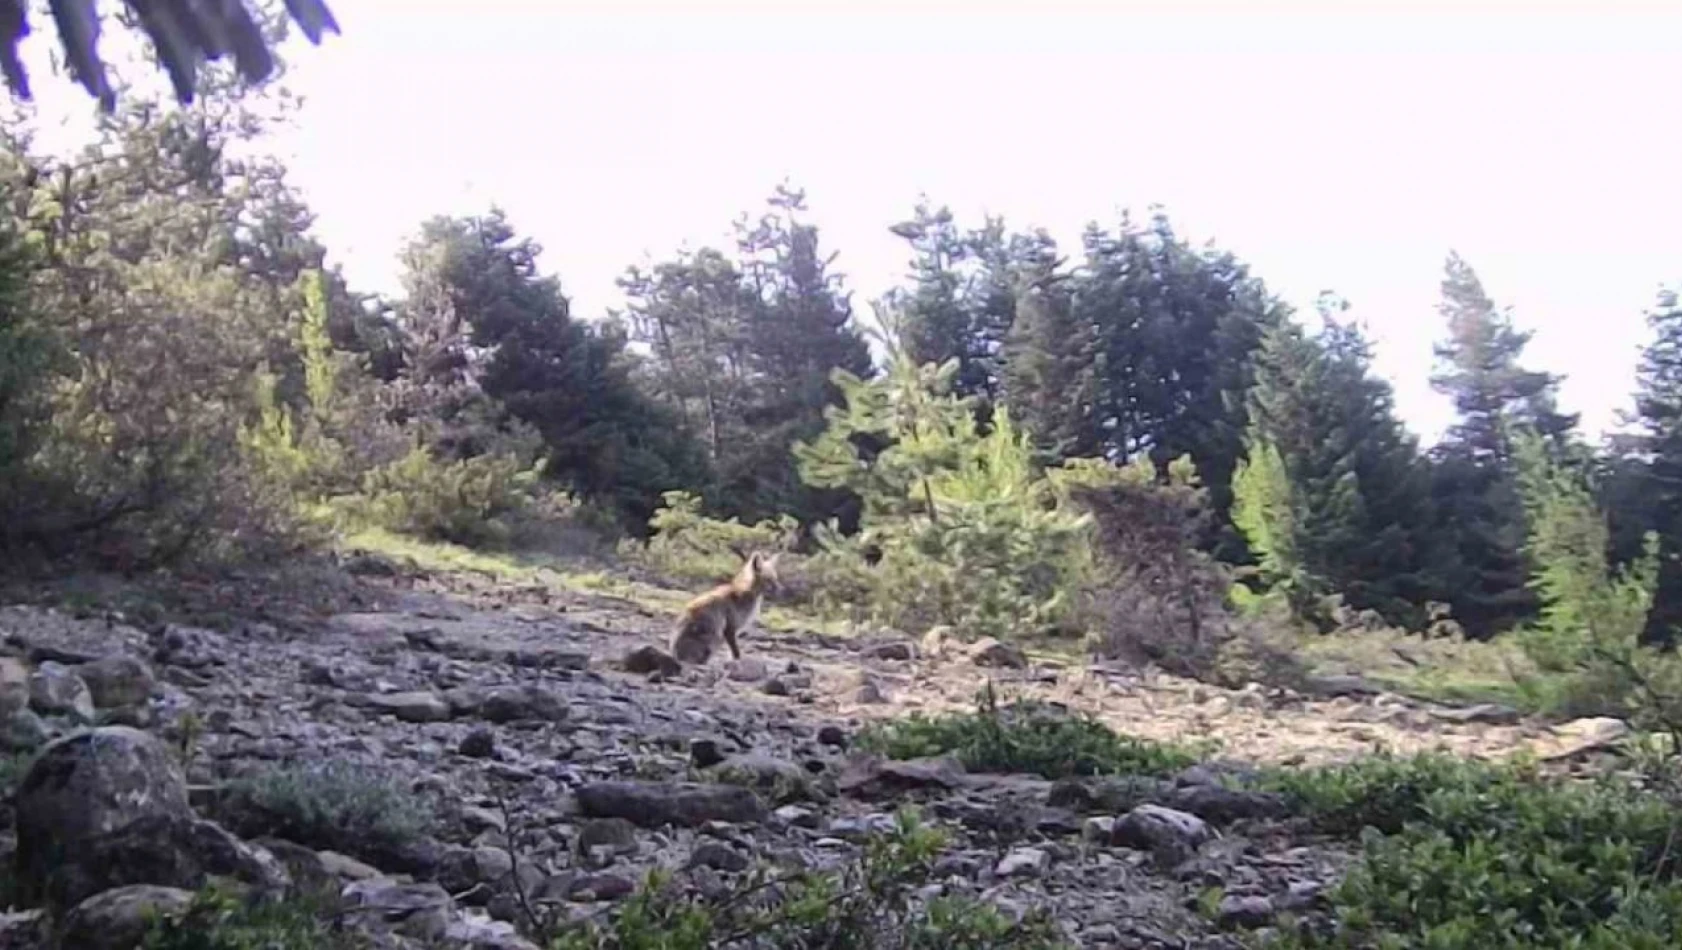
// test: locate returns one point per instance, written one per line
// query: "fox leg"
(730, 640)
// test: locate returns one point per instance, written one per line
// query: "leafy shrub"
(957, 528)
(873, 902)
(1153, 594)
(1024, 737)
(219, 921)
(331, 805)
(684, 544)
(1462, 855)
(1587, 641)
(475, 501)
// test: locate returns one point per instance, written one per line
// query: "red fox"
(725, 611)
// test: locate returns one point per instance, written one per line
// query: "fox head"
(760, 573)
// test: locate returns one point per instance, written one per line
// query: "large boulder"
(686, 804)
(117, 919)
(118, 680)
(108, 807)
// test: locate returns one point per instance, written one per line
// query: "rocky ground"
(512, 707)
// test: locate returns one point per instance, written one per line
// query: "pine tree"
(1049, 372)
(1355, 511)
(744, 350)
(1658, 410)
(499, 339)
(1482, 570)
(1173, 330)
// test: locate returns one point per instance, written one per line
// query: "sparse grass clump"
(1471, 855)
(1027, 737)
(219, 921)
(872, 902)
(328, 805)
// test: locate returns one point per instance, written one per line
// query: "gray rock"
(832, 735)
(411, 706)
(56, 690)
(1493, 714)
(522, 703)
(650, 660)
(478, 744)
(718, 856)
(14, 685)
(421, 911)
(871, 776)
(1023, 862)
(119, 918)
(615, 834)
(89, 785)
(892, 650)
(1165, 832)
(991, 652)
(191, 647)
(1245, 911)
(779, 778)
(749, 669)
(118, 681)
(652, 804)
(1222, 805)
(869, 693)
(602, 886)
(462, 868)
(108, 807)
(23, 731)
(705, 753)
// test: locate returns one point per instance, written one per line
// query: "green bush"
(330, 805)
(958, 528)
(1024, 737)
(219, 921)
(870, 903)
(1468, 855)
(476, 501)
(684, 544)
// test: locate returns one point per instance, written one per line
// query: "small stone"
(411, 707)
(420, 911)
(705, 753)
(482, 819)
(603, 886)
(796, 816)
(14, 685)
(989, 651)
(346, 867)
(24, 731)
(869, 693)
(522, 703)
(1023, 862)
(777, 686)
(1162, 831)
(1100, 828)
(117, 681)
(616, 834)
(749, 669)
(832, 735)
(718, 856)
(478, 744)
(651, 660)
(1246, 911)
(56, 690)
(893, 650)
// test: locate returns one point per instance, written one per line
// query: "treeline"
(180, 371)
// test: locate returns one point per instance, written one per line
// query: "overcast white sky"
(1343, 146)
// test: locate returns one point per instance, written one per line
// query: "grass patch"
(873, 902)
(1027, 737)
(331, 805)
(1440, 669)
(1470, 855)
(219, 921)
